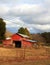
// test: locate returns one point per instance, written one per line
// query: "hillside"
(38, 37)
(8, 33)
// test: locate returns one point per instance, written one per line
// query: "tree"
(28, 33)
(2, 29)
(46, 35)
(21, 30)
(24, 31)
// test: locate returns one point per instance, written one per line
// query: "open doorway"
(17, 44)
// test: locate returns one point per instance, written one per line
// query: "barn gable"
(18, 36)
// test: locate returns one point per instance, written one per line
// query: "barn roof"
(31, 40)
(8, 38)
(23, 35)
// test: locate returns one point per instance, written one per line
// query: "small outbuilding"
(7, 42)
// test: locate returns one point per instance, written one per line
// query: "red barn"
(21, 40)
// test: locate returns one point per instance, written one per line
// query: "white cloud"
(26, 9)
(3, 10)
(42, 20)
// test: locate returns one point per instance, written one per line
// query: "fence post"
(24, 52)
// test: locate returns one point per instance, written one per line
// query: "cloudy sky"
(33, 14)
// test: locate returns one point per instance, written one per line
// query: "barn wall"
(26, 44)
(7, 43)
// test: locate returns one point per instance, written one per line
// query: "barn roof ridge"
(26, 36)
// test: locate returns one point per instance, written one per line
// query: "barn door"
(17, 44)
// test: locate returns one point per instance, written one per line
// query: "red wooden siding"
(16, 37)
(26, 44)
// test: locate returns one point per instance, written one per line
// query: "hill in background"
(8, 34)
(38, 37)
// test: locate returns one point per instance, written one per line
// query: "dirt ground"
(31, 56)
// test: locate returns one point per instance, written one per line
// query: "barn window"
(17, 44)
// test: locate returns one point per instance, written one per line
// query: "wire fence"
(25, 53)
(33, 53)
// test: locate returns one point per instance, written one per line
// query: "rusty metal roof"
(31, 40)
(23, 35)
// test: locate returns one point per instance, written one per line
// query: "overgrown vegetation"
(14, 56)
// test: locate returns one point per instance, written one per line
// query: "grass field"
(31, 56)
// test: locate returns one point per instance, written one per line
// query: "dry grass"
(40, 62)
(13, 56)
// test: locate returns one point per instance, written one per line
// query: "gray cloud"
(33, 14)
(36, 17)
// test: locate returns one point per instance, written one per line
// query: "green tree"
(28, 33)
(24, 31)
(21, 30)
(2, 29)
